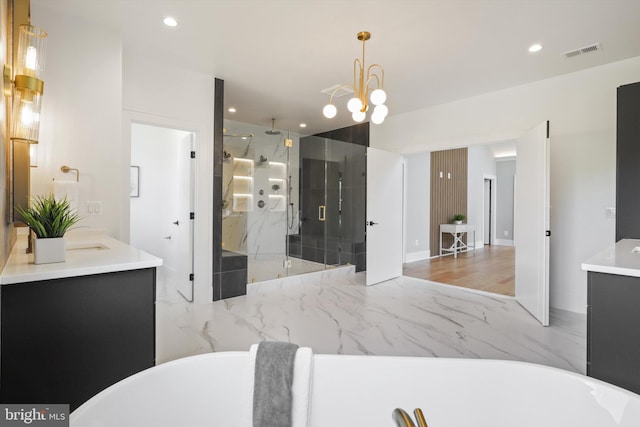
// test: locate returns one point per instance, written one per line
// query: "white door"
(531, 222)
(184, 230)
(384, 215)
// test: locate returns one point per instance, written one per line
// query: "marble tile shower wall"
(255, 180)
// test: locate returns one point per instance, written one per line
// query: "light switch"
(94, 207)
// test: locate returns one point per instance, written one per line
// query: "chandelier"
(368, 85)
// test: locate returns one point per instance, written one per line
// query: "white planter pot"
(457, 222)
(47, 251)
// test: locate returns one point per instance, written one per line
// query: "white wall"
(155, 93)
(81, 115)
(506, 170)
(93, 92)
(417, 190)
(581, 108)
(480, 164)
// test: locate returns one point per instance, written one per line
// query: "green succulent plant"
(458, 217)
(49, 218)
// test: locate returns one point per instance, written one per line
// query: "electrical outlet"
(506, 233)
(611, 212)
(417, 242)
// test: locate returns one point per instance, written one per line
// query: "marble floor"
(337, 314)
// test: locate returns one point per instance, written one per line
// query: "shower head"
(272, 131)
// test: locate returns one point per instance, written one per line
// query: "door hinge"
(548, 233)
(193, 154)
(192, 215)
(191, 277)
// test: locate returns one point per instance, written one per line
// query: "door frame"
(493, 179)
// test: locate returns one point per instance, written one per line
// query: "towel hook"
(66, 169)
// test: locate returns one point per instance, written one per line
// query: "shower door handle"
(322, 210)
(372, 223)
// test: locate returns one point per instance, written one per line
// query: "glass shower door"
(332, 185)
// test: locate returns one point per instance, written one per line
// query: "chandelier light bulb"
(378, 97)
(377, 118)
(358, 116)
(354, 105)
(381, 110)
(329, 111)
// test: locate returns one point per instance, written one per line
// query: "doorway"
(486, 194)
(162, 204)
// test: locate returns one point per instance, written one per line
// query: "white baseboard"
(503, 242)
(416, 256)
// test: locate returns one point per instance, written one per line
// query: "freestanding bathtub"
(213, 390)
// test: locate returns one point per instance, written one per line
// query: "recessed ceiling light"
(170, 22)
(535, 48)
(303, 125)
(231, 110)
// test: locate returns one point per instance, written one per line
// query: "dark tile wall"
(345, 156)
(229, 275)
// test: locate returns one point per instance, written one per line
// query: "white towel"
(68, 189)
(300, 389)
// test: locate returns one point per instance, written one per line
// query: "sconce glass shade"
(29, 84)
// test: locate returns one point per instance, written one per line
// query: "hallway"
(490, 269)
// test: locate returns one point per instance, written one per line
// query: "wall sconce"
(27, 84)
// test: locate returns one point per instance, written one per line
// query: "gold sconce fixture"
(27, 83)
(368, 85)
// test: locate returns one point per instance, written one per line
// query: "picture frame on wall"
(134, 187)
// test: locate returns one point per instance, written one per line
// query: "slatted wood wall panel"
(448, 194)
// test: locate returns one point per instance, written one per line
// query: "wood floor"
(490, 269)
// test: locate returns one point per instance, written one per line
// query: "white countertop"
(616, 259)
(88, 252)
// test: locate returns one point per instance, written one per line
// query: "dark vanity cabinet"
(613, 343)
(64, 340)
(613, 317)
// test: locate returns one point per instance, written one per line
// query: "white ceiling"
(276, 55)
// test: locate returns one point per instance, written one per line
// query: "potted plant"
(49, 219)
(458, 218)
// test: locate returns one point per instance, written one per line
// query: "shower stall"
(291, 204)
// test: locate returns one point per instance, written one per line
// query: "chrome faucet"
(402, 419)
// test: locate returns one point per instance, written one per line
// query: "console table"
(457, 231)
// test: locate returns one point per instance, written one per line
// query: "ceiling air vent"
(340, 91)
(587, 49)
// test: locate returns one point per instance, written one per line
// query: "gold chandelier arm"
(380, 80)
(358, 70)
(371, 77)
